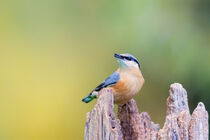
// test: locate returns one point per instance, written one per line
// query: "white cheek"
(126, 64)
(130, 64)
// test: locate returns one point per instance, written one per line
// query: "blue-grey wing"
(110, 81)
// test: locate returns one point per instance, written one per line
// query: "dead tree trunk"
(101, 123)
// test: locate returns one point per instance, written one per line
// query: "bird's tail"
(89, 98)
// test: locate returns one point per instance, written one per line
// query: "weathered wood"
(101, 123)
(198, 128)
(136, 126)
(178, 115)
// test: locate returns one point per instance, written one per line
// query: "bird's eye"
(128, 58)
(123, 57)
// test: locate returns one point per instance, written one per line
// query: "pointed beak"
(117, 56)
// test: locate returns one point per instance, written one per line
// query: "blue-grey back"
(110, 81)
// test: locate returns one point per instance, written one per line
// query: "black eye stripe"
(127, 58)
(130, 59)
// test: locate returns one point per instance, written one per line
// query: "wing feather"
(110, 81)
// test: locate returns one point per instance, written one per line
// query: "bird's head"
(127, 61)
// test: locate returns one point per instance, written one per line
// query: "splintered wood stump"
(101, 123)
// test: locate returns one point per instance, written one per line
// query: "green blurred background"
(54, 52)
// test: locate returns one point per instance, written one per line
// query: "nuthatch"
(125, 82)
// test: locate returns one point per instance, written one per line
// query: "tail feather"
(88, 99)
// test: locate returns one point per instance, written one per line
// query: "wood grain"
(101, 123)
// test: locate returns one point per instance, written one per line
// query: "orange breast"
(129, 84)
(121, 87)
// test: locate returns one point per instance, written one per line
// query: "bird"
(125, 82)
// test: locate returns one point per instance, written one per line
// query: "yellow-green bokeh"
(53, 53)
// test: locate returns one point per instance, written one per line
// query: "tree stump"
(101, 123)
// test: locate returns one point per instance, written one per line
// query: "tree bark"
(101, 123)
